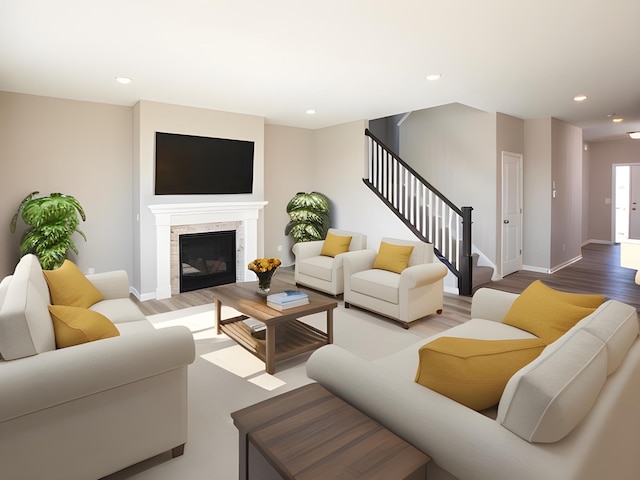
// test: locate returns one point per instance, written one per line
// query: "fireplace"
(173, 220)
(207, 259)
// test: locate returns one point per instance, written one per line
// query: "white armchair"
(415, 292)
(324, 272)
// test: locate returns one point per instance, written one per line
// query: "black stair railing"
(423, 209)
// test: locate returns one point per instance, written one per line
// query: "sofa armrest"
(491, 304)
(467, 444)
(357, 261)
(42, 381)
(423, 274)
(112, 285)
(303, 250)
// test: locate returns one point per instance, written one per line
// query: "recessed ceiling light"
(434, 76)
(123, 80)
(311, 111)
(634, 135)
(580, 98)
(617, 120)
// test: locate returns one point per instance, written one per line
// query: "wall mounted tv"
(191, 165)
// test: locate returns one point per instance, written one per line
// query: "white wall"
(454, 148)
(77, 148)
(151, 117)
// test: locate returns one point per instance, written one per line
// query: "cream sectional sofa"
(88, 410)
(573, 413)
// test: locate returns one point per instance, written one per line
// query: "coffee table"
(286, 336)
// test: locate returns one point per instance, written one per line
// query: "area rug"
(225, 378)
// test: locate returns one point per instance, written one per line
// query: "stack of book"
(287, 299)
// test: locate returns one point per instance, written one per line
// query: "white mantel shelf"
(168, 215)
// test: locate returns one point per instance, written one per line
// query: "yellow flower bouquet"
(264, 268)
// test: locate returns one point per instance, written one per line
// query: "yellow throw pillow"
(76, 325)
(394, 258)
(474, 372)
(549, 313)
(68, 286)
(335, 244)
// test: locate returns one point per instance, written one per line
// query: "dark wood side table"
(310, 434)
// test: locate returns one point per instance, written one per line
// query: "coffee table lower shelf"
(292, 338)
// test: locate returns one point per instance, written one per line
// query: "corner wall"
(78, 148)
(151, 117)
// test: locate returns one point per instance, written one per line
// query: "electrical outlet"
(279, 248)
(91, 270)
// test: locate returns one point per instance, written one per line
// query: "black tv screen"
(192, 165)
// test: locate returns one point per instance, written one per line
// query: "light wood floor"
(598, 271)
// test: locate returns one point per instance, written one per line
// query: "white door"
(511, 213)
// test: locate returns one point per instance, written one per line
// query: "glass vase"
(264, 281)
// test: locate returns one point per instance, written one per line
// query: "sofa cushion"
(68, 286)
(473, 372)
(380, 284)
(119, 310)
(616, 324)
(549, 313)
(335, 244)
(76, 325)
(317, 267)
(394, 258)
(25, 323)
(547, 399)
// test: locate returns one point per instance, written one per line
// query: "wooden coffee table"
(286, 336)
(310, 434)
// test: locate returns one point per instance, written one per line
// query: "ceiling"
(347, 59)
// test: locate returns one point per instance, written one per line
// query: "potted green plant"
(309, 214)
(52, 221)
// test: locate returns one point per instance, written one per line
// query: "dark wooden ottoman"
(309, 433)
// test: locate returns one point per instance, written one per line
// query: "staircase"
(424, 210)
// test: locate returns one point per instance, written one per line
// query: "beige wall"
(509, 138)
(77, 148)
(600, 160)
(454, 148)
(566, 207)
(536, 240)
(102, 154)
(289, 168)
(151, 117)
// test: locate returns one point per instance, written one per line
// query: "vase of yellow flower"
(264, 268)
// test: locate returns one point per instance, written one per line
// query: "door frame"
(520, 161)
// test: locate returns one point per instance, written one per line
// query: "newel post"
(465, 282)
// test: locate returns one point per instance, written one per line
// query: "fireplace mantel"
(168, 215)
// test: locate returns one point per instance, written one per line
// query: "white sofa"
(321, 272)
(414, 293)
(86, 411)
(571, 414)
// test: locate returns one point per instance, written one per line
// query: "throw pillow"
(76, 325)
(549, 313)
(394, 258)
(474, 372)
(68, 286)
(335, 244)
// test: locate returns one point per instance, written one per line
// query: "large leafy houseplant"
(309, 215)
(52, 221)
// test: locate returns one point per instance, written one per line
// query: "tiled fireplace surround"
(173, 220)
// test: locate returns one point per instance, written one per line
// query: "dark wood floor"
(598, 271)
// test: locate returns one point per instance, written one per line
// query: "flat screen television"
(192, 165)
